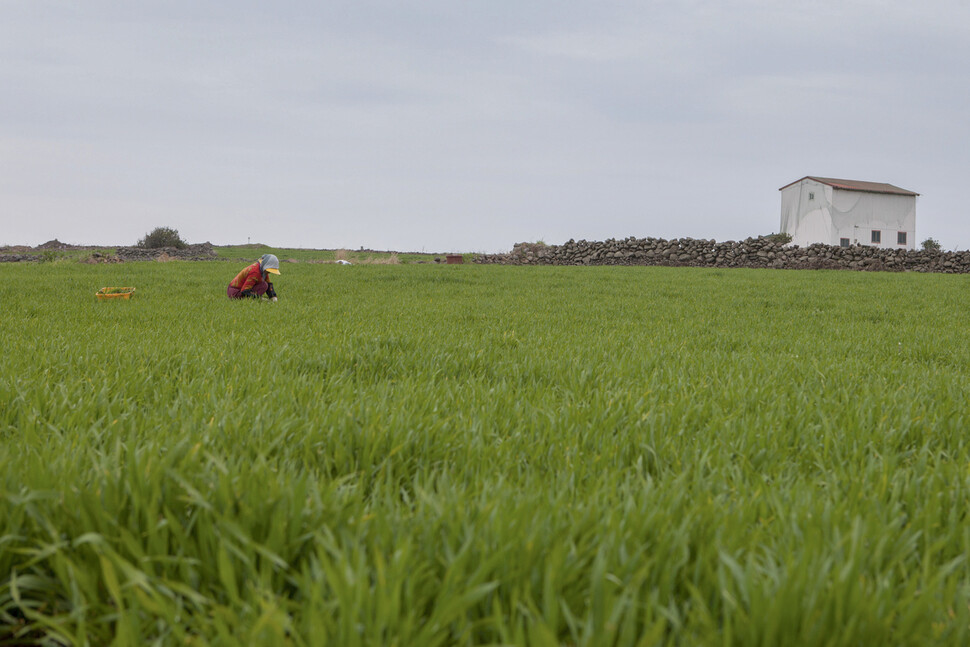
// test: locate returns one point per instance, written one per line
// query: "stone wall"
(751, 252)
(199, 252)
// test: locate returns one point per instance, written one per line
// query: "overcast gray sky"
(470, 126)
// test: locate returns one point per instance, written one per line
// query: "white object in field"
(342, 262)
(272, 299)
(831, 211)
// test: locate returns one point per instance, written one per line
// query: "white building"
(846, 212)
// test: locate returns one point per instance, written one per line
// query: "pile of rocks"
(199, 252)
(751, 252)
(24, 253)
(18, 258)
(57, 245)
(97, 257)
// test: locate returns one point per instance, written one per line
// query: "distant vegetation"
(357, 257)
(931, 245)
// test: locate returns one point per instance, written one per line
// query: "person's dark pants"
(258, 290)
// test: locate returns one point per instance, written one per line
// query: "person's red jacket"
(248, 278)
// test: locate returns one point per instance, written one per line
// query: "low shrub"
(780, 238)
(162, 237)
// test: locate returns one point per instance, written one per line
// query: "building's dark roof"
(855, 185)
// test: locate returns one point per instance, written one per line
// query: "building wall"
(856, 214)
(806, 213)
(813, 212)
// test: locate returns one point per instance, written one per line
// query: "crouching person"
(253, 281)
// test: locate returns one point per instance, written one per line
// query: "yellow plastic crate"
(114, 293)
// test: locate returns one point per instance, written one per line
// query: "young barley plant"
(473, 455)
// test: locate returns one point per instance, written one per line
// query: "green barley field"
(483, 455)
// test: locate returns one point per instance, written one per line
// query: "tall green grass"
(429, 455)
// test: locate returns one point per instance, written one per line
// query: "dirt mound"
(56, 244)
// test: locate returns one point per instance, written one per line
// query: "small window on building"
(811, 196)
(843, 242)
(876, 236)
(900, 237)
